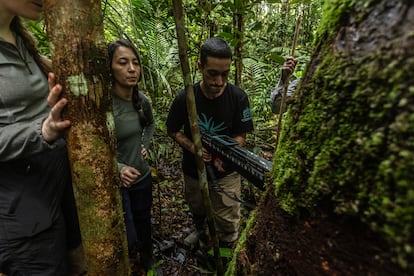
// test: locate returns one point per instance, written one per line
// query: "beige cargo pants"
(226, 210)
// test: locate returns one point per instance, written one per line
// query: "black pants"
(36, 207)
(43, 254)
(137, 202)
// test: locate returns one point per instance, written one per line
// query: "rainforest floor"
(321, 245)
(281, 244)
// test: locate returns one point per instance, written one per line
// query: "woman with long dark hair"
(134, 127)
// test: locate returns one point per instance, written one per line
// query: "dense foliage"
(267, 39)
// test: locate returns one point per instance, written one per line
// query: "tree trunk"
(238, 27)
(75, 31)
(346, 151)
(283, 29)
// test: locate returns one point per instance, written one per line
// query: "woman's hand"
(54, 126)
(128, 175)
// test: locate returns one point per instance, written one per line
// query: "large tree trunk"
(346, 151)
(79, 51)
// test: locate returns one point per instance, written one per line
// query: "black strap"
(216, 187)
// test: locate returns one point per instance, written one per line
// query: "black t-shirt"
(228, 114)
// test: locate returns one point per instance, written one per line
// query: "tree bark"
(347, 146)
(79, 56)
(238, 27)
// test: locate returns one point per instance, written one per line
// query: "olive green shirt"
(131, 135)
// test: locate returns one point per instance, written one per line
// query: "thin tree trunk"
(285, 85)
(281, 32)
(192, 112)
(79, 56)
(238, 26)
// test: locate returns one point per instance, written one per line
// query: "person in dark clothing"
(288, 68)
(38, 217)
(134, 127)
(222, 109)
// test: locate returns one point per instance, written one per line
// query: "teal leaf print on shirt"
(208, 125)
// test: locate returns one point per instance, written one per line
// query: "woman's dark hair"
(136, 98)
(17, 27)
(214, 47)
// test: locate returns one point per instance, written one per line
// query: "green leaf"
(224, 252)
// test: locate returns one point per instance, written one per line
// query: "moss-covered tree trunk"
(79, 56)
(347, 145)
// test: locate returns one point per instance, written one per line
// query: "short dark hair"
(215, 47)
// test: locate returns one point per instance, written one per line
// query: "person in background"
(288, 68)
(134, 128)
(38, 218)
(222, 109)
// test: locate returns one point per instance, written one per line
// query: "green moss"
(332, 12)
(87, 193)
(100, 232)
(241, 244)
(349, 140)
(83, 172)
(335, 11)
